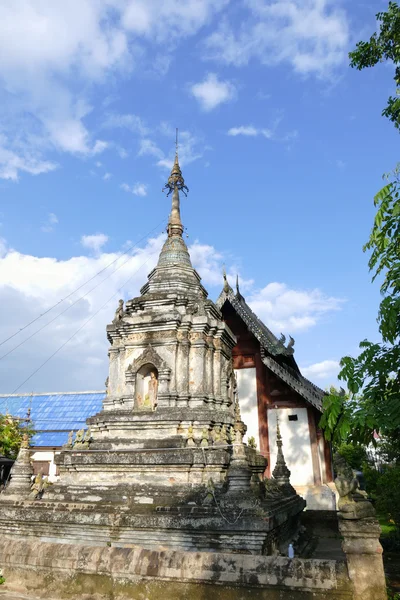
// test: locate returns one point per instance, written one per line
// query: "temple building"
(270, 383)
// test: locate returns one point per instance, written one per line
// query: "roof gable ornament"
(238, 294)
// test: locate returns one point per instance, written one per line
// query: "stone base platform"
(68, 572)
(227, 527)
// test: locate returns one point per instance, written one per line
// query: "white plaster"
(247, 390)
(296, 444)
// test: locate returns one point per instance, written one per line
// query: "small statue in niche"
(204, 437)
(119, 313)
(87, 438)
(216, 434)
(150, 398)
(223, 435)
(353, 502)
(79, 437)
(190, 437)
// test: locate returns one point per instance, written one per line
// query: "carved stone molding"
(148, 356)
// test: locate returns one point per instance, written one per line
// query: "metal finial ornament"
(175, 180)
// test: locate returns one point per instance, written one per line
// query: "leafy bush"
(354, 454)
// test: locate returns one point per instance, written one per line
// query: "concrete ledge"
(102, 573)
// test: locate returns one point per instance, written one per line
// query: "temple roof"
(53, 415)
(275, 355)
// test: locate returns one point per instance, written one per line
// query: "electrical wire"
(66, 309)
(81, 327)
(77, 289)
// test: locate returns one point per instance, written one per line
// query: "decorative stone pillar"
(197, 368)
(210, 368)
(182, 360)
(163, 395)
(21, 473)
(364, 557)
(281, 473)
(239, 472)
(217, 369)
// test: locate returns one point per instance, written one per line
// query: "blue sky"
(281, 143)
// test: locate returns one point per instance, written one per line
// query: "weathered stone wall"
(64, 571)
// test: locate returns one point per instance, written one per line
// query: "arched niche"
(146, 388)
(138, 377)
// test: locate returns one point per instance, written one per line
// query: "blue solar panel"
(53, 416)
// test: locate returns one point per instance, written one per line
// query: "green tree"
(383, 46)
(11, 433)
(373, 378)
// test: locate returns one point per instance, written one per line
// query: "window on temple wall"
(293, 418)
(146, 387)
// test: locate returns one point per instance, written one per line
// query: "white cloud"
(12, 162)
(148, 147)
(94, 242)
(269, 133)
(107, 176)
(126, 121)
(53, 54)
(288, 310)
(310, 35)
(247, 130)
(170, 19)
(48, 226)
(322, 370)
(212, 92)
(138, 189)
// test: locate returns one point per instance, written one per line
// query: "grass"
(386, 525)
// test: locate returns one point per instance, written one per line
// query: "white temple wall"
(296, 443)
(247, 390)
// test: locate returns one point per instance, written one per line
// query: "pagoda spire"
(174, 185)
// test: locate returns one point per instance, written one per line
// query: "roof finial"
(238, 294)
(176, 143)
(227, 287)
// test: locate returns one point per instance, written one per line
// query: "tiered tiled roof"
(273, 350)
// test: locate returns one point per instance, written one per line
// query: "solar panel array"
(53, 416)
